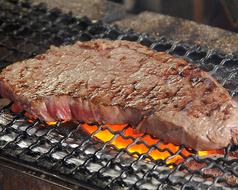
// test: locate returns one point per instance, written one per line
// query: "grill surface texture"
(65, 149)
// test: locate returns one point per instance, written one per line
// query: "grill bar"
(17, 174)
(66, 150)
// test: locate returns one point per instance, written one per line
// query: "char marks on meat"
(121, 82)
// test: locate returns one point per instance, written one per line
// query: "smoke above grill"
(101, 155)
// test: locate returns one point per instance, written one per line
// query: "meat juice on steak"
(122, 82)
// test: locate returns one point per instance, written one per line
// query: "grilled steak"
(119, 82)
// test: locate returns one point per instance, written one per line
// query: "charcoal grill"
(64, 155)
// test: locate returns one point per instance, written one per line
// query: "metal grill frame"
(26, 31)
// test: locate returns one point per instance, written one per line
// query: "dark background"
(217, 13)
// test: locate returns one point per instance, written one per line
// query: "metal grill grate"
(66, 148)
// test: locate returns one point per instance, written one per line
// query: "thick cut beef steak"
(119, 82)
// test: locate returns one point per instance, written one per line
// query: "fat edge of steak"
(212, 130)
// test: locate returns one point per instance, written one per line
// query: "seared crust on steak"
(119, 82)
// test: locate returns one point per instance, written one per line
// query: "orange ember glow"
(158, 152)
(51, 122)
(110, 135)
